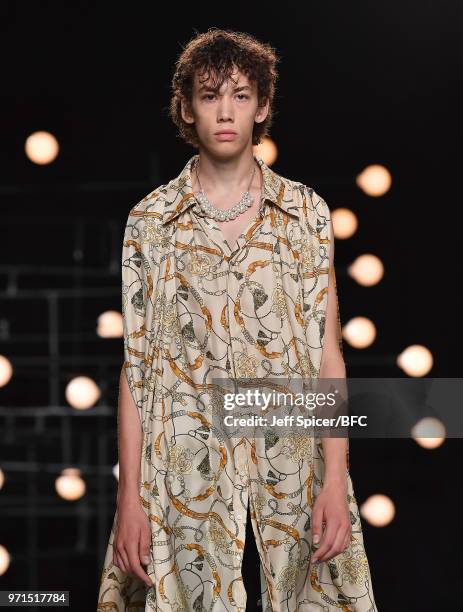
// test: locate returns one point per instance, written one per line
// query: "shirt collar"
(179, 192)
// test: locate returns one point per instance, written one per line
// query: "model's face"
(234, 107)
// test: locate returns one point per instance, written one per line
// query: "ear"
(262, 112)
(185, 111)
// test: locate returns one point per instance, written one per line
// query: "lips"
(226, 136)
(225, 132)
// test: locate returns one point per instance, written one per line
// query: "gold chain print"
(194, 309)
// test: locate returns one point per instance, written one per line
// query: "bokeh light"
(41, 147)
(359, 332)
(82, 392)
(110, 324)
(6, 370)
(415, 360)
(378, 510)
(375, 180)
(345, 223)
(267, 150)
(70, 485)
(366, 269)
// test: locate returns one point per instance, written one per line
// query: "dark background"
(359, 83)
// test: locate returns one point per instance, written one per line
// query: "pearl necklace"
(220, 214)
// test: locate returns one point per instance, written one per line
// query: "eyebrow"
(206, 88)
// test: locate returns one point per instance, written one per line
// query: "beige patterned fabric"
(196, 308)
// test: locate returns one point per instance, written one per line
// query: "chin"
(226, 148)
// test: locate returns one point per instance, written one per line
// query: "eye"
(210, 96)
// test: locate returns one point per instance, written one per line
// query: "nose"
(224, 109)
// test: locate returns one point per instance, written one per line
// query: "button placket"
(234, 281)
(231, 293)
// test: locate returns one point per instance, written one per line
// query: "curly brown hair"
(217, 53)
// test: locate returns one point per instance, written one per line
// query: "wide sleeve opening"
(136, 292)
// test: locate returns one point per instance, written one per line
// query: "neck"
(226, 177)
